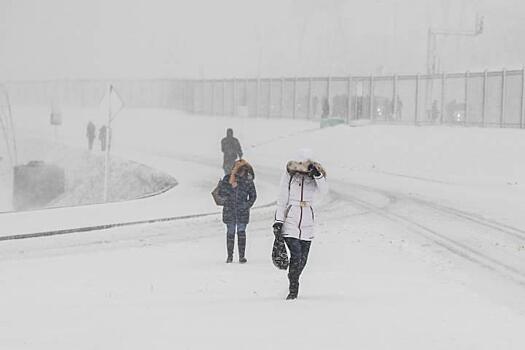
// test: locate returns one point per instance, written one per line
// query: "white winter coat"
(295, 209)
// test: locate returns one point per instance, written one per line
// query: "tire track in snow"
(441, 239)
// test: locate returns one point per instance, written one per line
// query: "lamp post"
(432, 56)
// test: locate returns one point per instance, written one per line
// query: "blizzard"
(420, 243)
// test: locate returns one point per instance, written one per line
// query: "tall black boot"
(241, 243)
(293, 291)
(294, 271)
(230, 242)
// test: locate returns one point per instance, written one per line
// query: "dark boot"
(230, 242)
(241, 243)
(294, 290)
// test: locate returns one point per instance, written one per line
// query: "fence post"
(484, 99)
(203, 101)
(503, 88)
(257, 90)
(394, 97)
(328, 92)
(246, 98)
(443, 89)
(309, 100)
(212, 86)
(522, 102)
(356, 100)
(223, 97)
(194, 97)
(183, 95)
(234, 87)
(416, 104)
(371, 114)
(348, 98)
(269, 111)
(294, 97)
(467, 75)
(281, 107)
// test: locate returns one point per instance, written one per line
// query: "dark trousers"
(299, 256)
(90, 143)
(231, 229)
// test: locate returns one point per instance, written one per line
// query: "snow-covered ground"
(420, 245)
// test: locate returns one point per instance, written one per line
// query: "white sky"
(211, 38)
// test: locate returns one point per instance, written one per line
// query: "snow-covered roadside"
(472, 169)
(84, 174)
(479, 170)
(166, 145)
(166, 286)
(369, 284)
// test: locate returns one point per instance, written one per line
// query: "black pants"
(299, 256)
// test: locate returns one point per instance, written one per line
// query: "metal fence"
(494, 98)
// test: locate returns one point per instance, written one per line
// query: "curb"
(114, 225)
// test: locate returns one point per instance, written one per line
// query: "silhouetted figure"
(326, 108)
(231, 148)
(399, 108)
(315, 105)
(90, 134)
(102, 136)
(434, 111)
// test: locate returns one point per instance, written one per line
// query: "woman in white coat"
(303, 180)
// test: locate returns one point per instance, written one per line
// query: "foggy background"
(57, 39)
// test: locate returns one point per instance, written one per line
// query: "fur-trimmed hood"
(241, 168)
(293, 167)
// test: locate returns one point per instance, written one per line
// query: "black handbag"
(279, 254)
(219, 200)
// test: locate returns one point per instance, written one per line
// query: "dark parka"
(231, 148)
(239, 199)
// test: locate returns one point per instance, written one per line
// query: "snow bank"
(128, 180)
(472, 168)
(84, 172)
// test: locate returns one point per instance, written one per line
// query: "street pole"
(432, 51)
(503, 97)
(106, 159)
(467, 75)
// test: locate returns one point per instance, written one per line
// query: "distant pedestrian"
(231, 148)
(434, 111)
(90, 134)
(315, 105)
(295, 216)
(239, 190)
(399, 108)
(102, 136)
(326, 108)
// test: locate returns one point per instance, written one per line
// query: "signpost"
(113, 104)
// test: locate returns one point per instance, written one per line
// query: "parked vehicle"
(456, 112)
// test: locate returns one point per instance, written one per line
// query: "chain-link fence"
(493, 98)
(472, 99)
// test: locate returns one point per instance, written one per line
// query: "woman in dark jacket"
(240, 193)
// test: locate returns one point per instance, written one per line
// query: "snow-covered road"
(399, 262)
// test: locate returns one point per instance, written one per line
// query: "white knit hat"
(303, 155)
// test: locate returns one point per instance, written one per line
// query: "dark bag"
(219, 200)
(279, 254)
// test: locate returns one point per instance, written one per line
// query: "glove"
(278, 230)
(313, 171)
